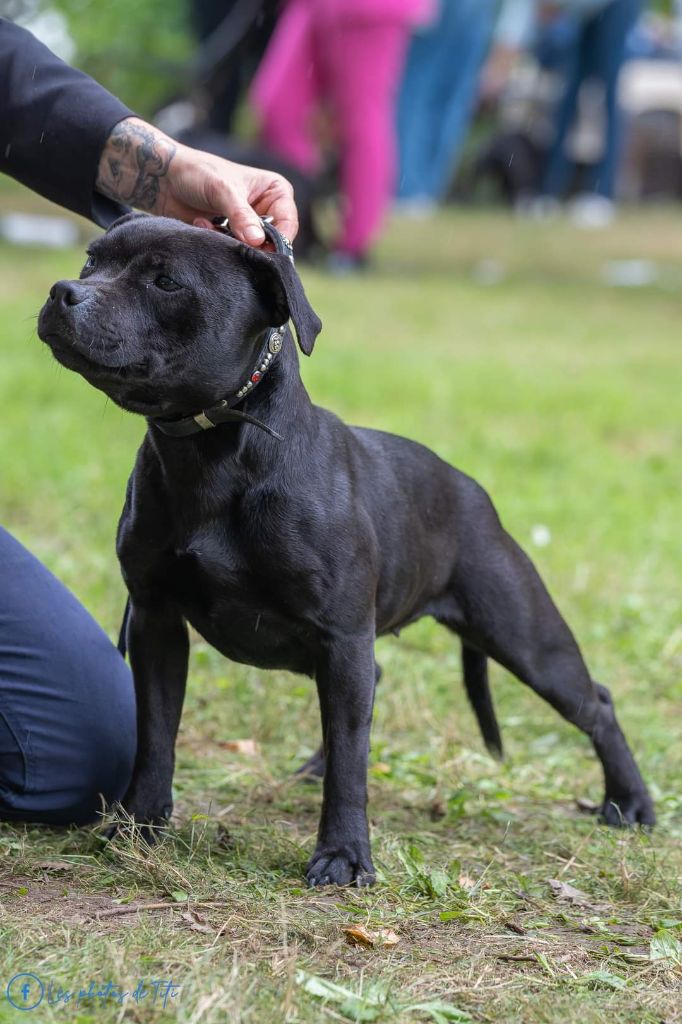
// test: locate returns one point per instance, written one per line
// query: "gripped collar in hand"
(224, 411)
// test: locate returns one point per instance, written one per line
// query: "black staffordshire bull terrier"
(286, 538)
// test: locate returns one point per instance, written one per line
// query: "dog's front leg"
(158, 645)
(345, 685)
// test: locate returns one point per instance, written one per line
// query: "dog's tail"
(475, 669)
(123, 633)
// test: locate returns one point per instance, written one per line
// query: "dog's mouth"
(126, 383)
(133, 385)
(100, 365)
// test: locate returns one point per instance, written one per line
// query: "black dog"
(293, 553)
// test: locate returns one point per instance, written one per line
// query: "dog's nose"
(68, 293)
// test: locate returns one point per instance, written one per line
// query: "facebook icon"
(25, 991)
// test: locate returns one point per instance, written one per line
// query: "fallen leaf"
(443, 1013)
(605, 978)
(197, 923)
(249, 747)
(367, 1006)
(564, 891)
(358, 935)
(56, 865)
(466, 881)
(665, 946)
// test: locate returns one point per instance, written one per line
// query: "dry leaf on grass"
(249, 747)
(466, 881)
(197, 923)
(587, 806)
(358, 935)
(56, 866)
(564, 891)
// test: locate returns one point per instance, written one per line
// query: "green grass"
(562, 396)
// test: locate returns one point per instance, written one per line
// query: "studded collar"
(224, 411)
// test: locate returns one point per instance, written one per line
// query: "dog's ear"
(280, 287)
(125, 218)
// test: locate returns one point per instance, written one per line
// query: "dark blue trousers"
(438, 94)
(598, 52)
(67, 706)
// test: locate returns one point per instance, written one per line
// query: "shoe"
(592, 211)
(415, 207)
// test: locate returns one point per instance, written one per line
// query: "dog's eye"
(89, 264)
(166, 284)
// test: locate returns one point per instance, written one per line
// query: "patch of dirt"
(57, 899)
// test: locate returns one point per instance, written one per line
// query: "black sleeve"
(54, 122)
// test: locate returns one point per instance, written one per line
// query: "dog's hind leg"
(313, 768)
(499, 605)
(475, 673)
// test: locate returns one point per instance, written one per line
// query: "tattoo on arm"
(133, 164)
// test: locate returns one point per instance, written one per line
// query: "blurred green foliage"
(139, 51)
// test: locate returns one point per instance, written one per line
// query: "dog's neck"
(280, 401)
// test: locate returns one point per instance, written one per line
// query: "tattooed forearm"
(134, 164)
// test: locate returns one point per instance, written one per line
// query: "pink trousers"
(352, 69)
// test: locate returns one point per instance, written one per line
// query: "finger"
(233, 203)
(244, 222)
(285, 219)
(278, 202)
(202, 222)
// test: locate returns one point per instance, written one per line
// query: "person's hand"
(142, 167)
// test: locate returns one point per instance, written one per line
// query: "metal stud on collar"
(273, 346)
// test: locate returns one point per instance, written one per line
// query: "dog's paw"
(631, 809)
(313, 768)
(341, 865)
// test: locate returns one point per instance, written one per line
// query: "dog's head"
(167, 318)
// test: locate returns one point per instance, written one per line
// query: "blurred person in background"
(438, 98)
(595, 51)
(346, 56)
(233, 35)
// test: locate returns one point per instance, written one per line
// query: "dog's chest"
(242, 600)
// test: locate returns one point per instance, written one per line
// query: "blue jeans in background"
(438, 94)
(597, 52)
(67, 705)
